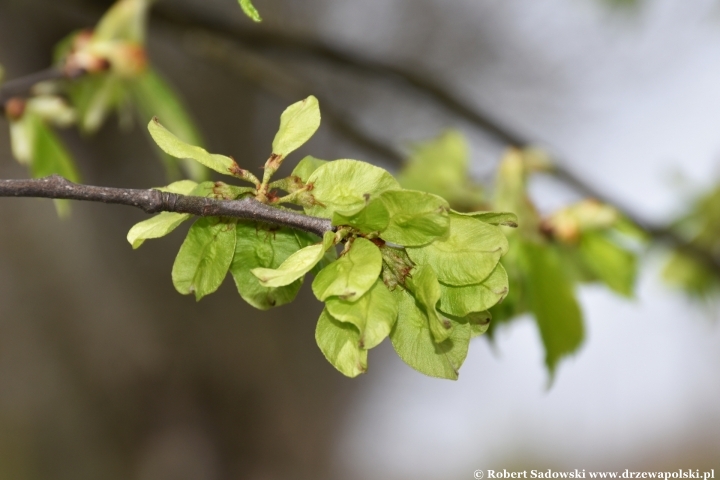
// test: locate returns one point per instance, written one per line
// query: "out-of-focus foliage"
(250, 10)
(108, 72)
(547, 257)
(410, 268)
(702, 228)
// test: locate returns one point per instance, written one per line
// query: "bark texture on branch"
(154, 201)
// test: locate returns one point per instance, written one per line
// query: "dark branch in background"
(268, 76)
(23, 85)
(153, 201)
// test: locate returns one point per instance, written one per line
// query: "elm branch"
(154, 201)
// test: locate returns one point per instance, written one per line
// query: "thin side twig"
(154, 201)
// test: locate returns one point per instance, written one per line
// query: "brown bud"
(15, 108)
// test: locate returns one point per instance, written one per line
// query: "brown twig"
(21, 86)
(153, 201)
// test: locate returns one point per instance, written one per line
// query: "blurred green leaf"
(51, 157)
(296, 265)
(461, 301)
(250, 10)
(175, 147)
(353, 274)
(340, 343)
(297, 124)
(154, 97)
(259, 246)
(466, 255)
(613, 265)
(347, 185)
(415, 218)
(95, 97)
(415, 345)
(125, 20)
(440, 166)
(204, 257)
(552, 301)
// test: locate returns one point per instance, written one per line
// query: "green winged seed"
(182, 187)
(155, 227)
(259, 247)
(352, 274)
(416, 218)
(204, 257)
(467, 254)
(372, 217)
(374, 314)
(415, 345)
(506, 219)
(461, 301)
(296, 265)
(250, 10)
(426, 290)
(306, 167)
(347, 185)
(478, 322)
(175, 147)
(340, 343)
(298, 123)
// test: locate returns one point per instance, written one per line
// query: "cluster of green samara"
(397, 263)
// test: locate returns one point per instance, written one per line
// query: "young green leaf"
(426, 290)
(155, 227)
(296, 265)
(297, 124)
(461, 301)
(258, 246)
(347, 185)
(155, 97)
(415, 345)
(373, 217)
(340, 343)
(416, 218)
(374, 314)
(204, 257)
(250, 10)
(306, 167)
(506, 219)
(613, 265)
(352, 274)
(467, 254)
(553, 302)
(175, 147)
